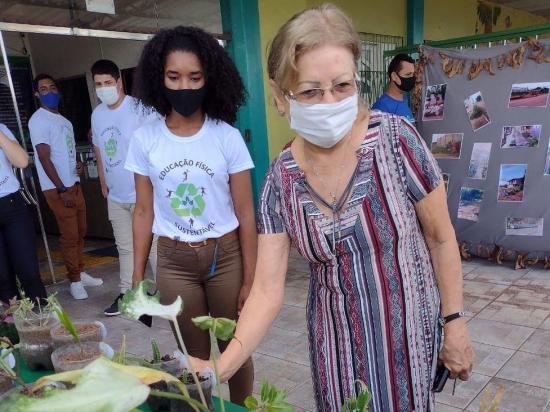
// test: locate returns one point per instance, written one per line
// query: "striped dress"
(372, 311)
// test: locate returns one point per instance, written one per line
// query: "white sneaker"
(88, 280)
(77, 291)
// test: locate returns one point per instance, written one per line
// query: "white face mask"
(324, 124)
(107, 94)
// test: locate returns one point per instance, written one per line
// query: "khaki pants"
(120, 216)
(72, 226)
(185, 271)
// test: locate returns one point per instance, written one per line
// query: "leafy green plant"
(220, 328)
(137, 302)
(271, 400)
(25, 310)
(102, 385)
(157, 358)
(63, 317)
(359, 403)
(7, 361)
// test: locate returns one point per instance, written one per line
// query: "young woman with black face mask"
(192, 175)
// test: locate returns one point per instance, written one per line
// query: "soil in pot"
(88, 332)
(36, 344)
(170, 365)
(75, 356)
(187, 379)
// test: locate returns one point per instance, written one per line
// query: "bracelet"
(446, 319)
(238, 340)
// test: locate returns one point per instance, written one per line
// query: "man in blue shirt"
(402, 80)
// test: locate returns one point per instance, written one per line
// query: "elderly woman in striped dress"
(361, 198)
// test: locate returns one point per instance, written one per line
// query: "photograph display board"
(489, 128)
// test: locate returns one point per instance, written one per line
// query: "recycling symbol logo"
(70, 143)
(111, 147)
(187, 201)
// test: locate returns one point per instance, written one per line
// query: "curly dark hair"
(224, 88)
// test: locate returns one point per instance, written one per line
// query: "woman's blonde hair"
(311, 28)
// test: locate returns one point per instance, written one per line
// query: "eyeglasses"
(340, 91)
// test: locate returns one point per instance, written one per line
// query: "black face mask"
(407, 83)
(185, 101)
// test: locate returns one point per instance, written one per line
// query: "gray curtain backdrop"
(490, 228)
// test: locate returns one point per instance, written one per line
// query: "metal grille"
(372, 65)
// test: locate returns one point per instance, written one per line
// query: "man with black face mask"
(401, 80)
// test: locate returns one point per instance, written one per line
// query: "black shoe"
(113, 309)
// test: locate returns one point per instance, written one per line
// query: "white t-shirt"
(57, 132)
(8, 182)
(111, 132)
(190, 177)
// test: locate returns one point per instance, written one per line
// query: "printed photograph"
(511, 183)
(434, 104)
(446, 181)
(477, 111)
(447, 145)
(524, 226)
(520, 136)
(469, 203)
(547, 164)
(479, 162)
(529, 95)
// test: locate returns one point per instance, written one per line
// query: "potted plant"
(103, 385)
(7, 326)
(33, 324)
(136, 303)
(78, 353)
(87, 331)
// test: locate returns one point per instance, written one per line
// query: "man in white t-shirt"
(52, 137)
(113, 124)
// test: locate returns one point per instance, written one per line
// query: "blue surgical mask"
(50, 100)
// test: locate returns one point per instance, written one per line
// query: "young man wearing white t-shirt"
(52, 137)
(17, 238)
(113, 124)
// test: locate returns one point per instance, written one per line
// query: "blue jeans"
(18, 256)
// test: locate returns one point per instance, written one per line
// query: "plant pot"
(156, 403)
(88, 331)
(182, 406)
(35, 342)
(78, 355)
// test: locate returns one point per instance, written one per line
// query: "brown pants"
(72, 226)
(185, 271)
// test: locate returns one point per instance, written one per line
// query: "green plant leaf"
(64, 317)
(222, 328)
(156, 351)
(251, 403)
(137, 302)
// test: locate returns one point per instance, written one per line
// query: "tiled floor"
(509, 320)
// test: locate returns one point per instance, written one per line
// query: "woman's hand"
(243, 295)
(200, 364)
(457, 353)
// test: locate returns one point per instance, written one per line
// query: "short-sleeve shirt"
(57, 132)
(388, 104)
(8, 182)
(190, 177)
(111, 133)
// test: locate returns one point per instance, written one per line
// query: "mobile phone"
(441, 376)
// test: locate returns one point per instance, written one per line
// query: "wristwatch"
(61, 189)
(446, 319)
